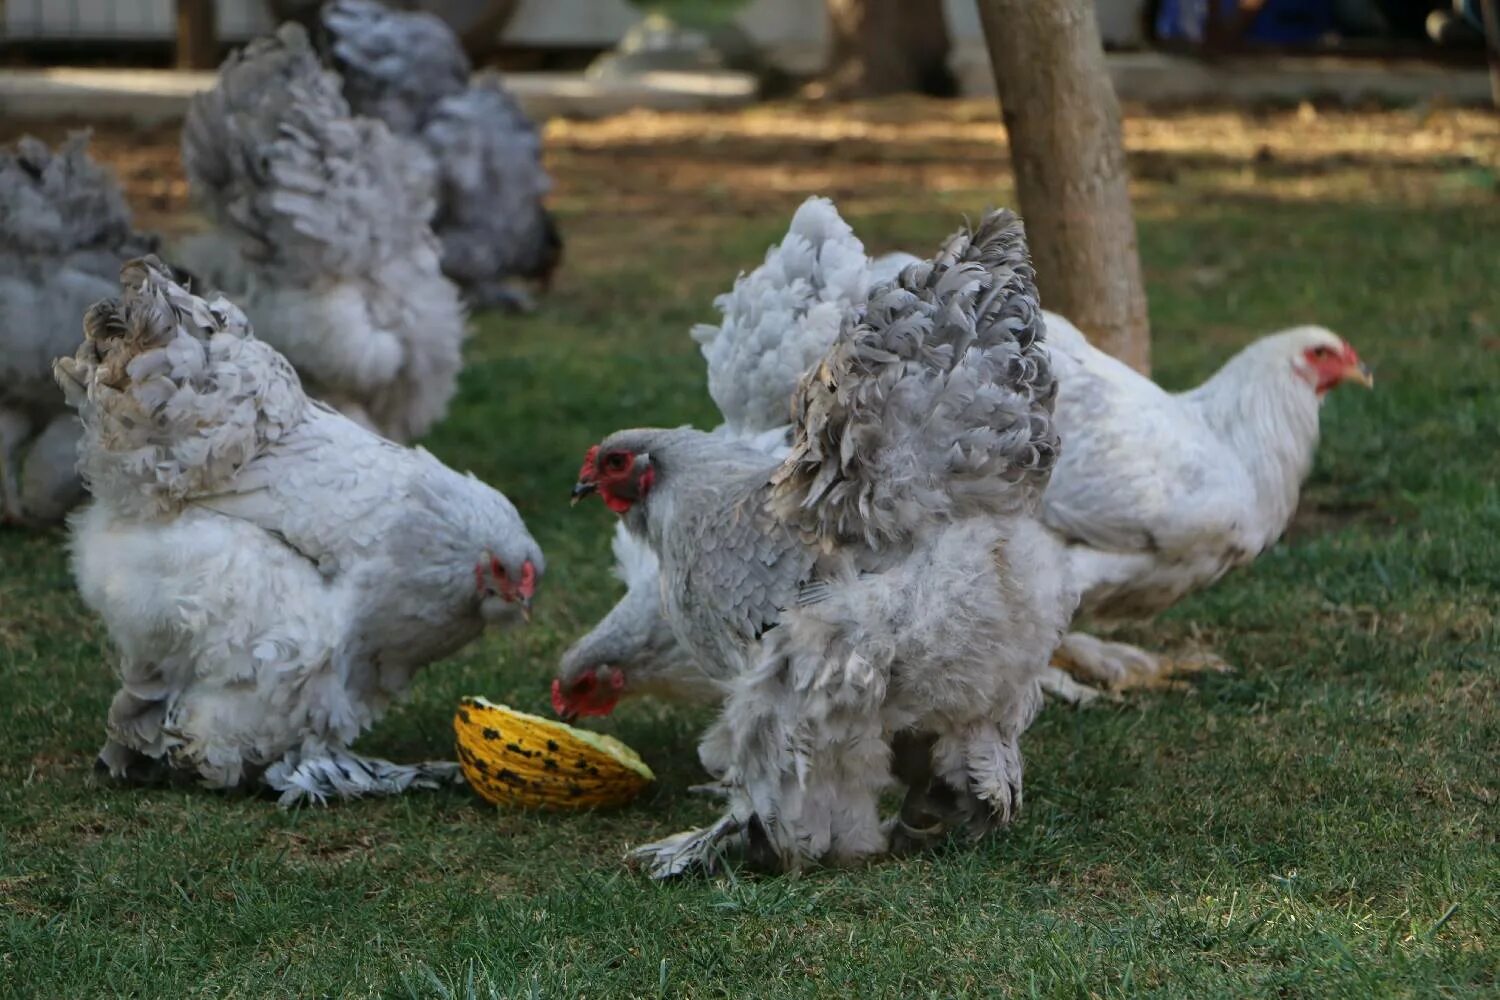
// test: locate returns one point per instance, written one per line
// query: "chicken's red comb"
(589, 471)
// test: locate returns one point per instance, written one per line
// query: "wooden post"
(1063, 119)
(197, 35)
(1490, 9)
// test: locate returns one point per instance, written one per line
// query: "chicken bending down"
(408, 69)
(1159, 494)
(271, 574)
(888, 581)
(778, 321)
(64, 232)
(324, 236)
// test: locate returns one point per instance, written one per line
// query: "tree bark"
(881, 47)
(197, 35)
(1063, 119)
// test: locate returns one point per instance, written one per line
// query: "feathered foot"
(1119, 666)
(687, 853)
(1064, 688)
(321, 773)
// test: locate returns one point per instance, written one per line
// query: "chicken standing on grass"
(1160, 494)
(64, 232)
(408, 69)
(271, 573)
(887, 581)
(323, 235)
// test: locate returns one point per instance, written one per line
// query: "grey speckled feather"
(936, 404)
(175, 393)
(276, 156)
(395, 64)
(333, 256)
(408, 69)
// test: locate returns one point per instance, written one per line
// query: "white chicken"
(408, 69)
(1160, 494)
(778, 320)
(271, 574)
(64, 232)
(889, 577)
(323, 235)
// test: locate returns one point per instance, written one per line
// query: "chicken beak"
(525, 604)
(581, 490)
(1360, 372)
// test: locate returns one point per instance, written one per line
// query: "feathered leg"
(1119, 666)
(801, 749)
(319, 772)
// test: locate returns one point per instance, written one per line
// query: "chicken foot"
(1119, 666)
(319, 773)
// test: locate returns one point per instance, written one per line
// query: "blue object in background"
(1279, 21)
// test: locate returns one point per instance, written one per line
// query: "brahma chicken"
(888, 579)
(323, 235)
(64, 232)
(778, 320)
(1159, 494)
(408, 69)
(271, 573)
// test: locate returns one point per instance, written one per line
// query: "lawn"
(1320, 823)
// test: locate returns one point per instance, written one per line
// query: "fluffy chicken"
(408, 69)
(323, 234)
(1160, 494)
(64, 231)
(887, 579)
(778, 321)
(271, 573)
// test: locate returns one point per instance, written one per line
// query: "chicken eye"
(1321, 352)
(614, 462)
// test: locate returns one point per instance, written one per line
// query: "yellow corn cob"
(516, 759)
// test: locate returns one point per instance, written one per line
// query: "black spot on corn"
(463, 714)
(515, 748)
(510, 777)
(582, 764)
(574, 791)
(549, 763)
(593, 771)
(552, 746)
(491, 734)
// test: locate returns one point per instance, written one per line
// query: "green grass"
(1320, 823)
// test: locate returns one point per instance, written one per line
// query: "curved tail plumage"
(936, 403)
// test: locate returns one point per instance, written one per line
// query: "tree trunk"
(880, 47)
(1489, 11)
(197, 35)
(1064, 124)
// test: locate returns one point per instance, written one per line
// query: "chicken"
(271, 573)
(1159, 494)
(777, 322)
(64, 231)
(408, 69)
(323, 234)
(888, 579)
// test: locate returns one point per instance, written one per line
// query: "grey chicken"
(272, 574)
(888, 581)
(408, 69)
(323, 235)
